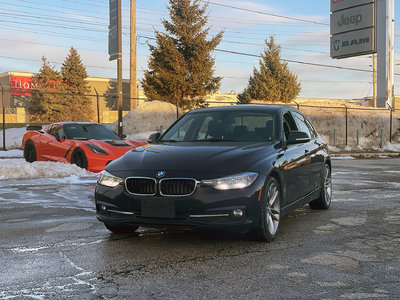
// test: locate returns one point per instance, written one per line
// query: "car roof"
(247, 107)
(72, 123)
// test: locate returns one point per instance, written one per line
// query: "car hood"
(111, 146)
(187, 158)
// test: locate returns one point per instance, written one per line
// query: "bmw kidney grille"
(167, 187)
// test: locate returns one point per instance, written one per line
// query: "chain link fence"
(340, 126)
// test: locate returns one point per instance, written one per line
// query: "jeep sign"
(353, 43)
(352, 19)
(343, 4)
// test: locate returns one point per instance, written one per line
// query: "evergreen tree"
(181, 67)
(74, 74)
(48, 103)
(273, 82)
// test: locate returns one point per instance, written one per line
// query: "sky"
(30, 29)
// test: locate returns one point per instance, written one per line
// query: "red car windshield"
(89, 131)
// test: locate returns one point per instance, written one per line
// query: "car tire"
(79, 158)
(325, 198)
(30, 152)
(121, 229)
(269, 212)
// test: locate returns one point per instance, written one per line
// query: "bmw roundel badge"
(160, 174)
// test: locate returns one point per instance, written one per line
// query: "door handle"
(307, 152)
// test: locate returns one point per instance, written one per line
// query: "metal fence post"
(334, 137)
(346, 122)
(4, 117)
(358, 138)
(391, 123)
(98, 106)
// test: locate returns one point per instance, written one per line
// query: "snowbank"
(20, 169)
(13, 138)
(148, 117)
(11, 153)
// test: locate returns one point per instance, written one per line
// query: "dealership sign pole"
(360, 27)
(385, 53)
(115, 51)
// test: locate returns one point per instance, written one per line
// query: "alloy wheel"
(328, 185)
(272, 209)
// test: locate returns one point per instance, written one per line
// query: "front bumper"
(206, 208)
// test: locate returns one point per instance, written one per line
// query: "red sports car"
(89, 145)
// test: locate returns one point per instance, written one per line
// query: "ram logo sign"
(336, 45)
(353, 43)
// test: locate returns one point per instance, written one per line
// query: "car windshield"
(223, 126)
(89, 131)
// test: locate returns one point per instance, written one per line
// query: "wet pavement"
(52, 247)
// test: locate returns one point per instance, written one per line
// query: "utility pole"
(133, 64)
(374, 77)
(119, 66)
(391, 56)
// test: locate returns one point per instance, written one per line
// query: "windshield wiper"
(212, 140)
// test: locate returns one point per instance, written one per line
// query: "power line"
(55, 62)
(286, 60)
(265, 13)
(64, 7)
(46, 32)
(295, 61)
(49, 23)
(47, 9)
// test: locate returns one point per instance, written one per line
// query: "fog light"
(237, 213)
(103, 207)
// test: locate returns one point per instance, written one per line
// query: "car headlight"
(96, 149)
(238, 181)
(109, 180)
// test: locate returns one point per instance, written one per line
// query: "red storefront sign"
(21, 85)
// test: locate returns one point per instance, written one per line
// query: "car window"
(61, 133)
(181, 131)
(53, 129)
(223, 126)
(288, 124)
(89, 131)
(301, 123)
(312, 128)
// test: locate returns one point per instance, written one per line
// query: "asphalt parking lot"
(52, 247)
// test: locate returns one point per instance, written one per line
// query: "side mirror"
(123, 136)
(297, 137)
(154, 137)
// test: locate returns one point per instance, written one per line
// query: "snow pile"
(141, 136)
(391, 147)
(11, 153)
(20, 169)
(13, 138)
(148, 117)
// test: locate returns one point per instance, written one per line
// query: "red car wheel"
(79, 158)
(30, 152)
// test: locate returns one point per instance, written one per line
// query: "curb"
(367, 154)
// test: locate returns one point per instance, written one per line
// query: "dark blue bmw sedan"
(234, 167)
